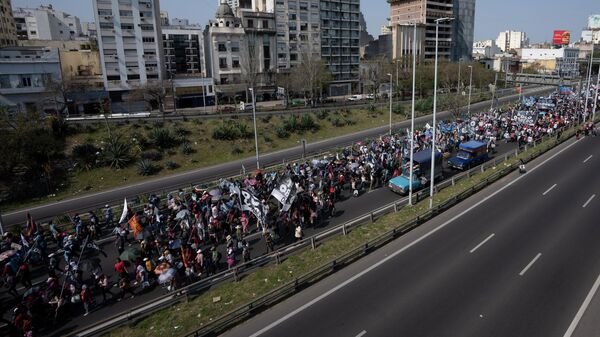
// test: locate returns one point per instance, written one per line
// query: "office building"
(130, 43)
(402, 42)
(463, 30)
(563, 61)
(8, 32)
(511, 40)
(25, 77)
(46, 23)
(223, 39)
(340, 43)
(485, 49)
(425, 12)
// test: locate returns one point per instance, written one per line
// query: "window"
(113, 77)
(223, 63)
(250, 24)
(125, 13)
(222, 47)
(127, 26)
(133, 77)
(265, 24)
(147, 27)
(148, 39)
(235, 63)
(104, 12)
(107, 25)
(235, 47)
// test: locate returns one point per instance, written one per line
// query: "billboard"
(594, 21)
(561, 37)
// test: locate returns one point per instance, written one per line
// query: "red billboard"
(561, 37)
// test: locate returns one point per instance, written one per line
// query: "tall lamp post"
(412, 117)
(470, 90)
(596, 99)
(391, 100)
(589, 80)
(433, 135)
(255, 131)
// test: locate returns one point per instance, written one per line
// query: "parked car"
(226, 109)
(246, 106)
(355, 98)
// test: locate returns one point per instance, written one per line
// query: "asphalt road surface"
(518, 259)
(212, 173)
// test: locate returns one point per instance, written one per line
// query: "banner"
(250, 203)
(285, 193)
(135, 226)
(525, 117)
(125, 212)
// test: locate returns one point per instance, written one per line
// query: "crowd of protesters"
(185, 237)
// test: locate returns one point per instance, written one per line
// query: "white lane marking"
(400, 251)
(583, 308)
(589, 200)
(362, 333)
(530, 264)
(587, 159)
(482, 243)
(550, 189)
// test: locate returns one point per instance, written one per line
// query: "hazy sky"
(538, 18)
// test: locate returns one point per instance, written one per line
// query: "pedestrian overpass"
(539, 79)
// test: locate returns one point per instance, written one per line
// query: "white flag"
(125, 212)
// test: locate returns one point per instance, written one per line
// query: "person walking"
(125, 287)
(298, 233)
(86, 299)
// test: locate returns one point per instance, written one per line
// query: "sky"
(538, 18)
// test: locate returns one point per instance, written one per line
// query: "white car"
(354, 98)
(246, 106)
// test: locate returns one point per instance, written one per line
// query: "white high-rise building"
(46, 23)
(511, 40)
(130, 43)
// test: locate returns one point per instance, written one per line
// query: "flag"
(125, 212)
(285, 193)
(252, 204)
(24, 241)
(31, 225)
(135, 226)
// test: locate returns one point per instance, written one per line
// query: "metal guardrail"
(187, 292)
(137, 203)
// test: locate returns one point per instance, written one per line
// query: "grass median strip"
(226, 297)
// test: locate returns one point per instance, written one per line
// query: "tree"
(250, 61)
(375, 73)
(311, 75)
(61, 93)
(153, 93)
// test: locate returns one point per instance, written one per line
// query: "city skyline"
(487, 24)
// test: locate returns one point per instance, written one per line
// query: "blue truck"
(421, 172)
(469, 154)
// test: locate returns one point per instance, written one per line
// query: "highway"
(348, 209)
(115, 196)
(518, 259)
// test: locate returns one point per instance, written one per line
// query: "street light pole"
(412, 118)
(255, 131)
(433, 135)
(589, 79)
(470, 90)
(595, 99)
(391, 99)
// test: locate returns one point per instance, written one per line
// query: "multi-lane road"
(519, 259)
(115, 196)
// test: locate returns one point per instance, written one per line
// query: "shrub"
(236, 150)
(291, 124)
(337, 122)
(322, 114)
(268, 139)
(181, 132)
(163, 139)
(307, 123)
(170, 165)
(243, 131)
(86, 156)
(398, 109)
(117, 153)
(282, 133)
(186, 149)
(152, 155)
(372, 108)
(424, 105)
(266, 119)
(146, 168)
(224, 132)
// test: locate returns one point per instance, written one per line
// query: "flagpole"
(1, 224)
(67, 275)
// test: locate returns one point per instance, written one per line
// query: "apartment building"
(509, 40)
(298, 29)
(25, 75)
(130, 43)
(340, 44)
(46, 23)
(261, 41)
(223, 39)
(425, 12)
(8, 33)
